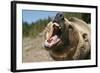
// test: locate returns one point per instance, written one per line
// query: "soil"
(34, 51)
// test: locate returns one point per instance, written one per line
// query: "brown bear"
(68, 39)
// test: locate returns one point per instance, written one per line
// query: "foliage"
(26, 29)
(34, 28)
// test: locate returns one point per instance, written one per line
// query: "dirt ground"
(33, 50)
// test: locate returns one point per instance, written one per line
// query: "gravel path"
(33, 50)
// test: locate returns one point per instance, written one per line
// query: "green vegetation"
(33, 29)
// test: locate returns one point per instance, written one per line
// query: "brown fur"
(75, 42)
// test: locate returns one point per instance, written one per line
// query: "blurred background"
(35, 21)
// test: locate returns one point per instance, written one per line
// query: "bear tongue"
(54, 39)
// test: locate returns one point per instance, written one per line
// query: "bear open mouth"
(55, 37)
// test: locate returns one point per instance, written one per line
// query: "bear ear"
(59, 17)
